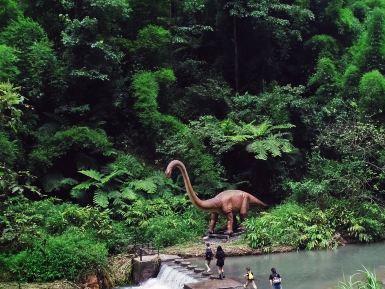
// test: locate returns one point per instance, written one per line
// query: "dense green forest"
(284, 99)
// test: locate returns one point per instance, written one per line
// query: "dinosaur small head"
(170, 167)
(168, 173)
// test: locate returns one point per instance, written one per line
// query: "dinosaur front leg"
(230, 222)
(213, 222)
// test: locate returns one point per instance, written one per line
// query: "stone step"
(185, 263)
(198, 270)
(191, 267)
(214, 284)
(213, 277)
(178, 261)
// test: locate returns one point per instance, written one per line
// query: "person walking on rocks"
(220, 256)
(275, 279)
(208, 256)
(249, 279)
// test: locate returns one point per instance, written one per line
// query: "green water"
(309, 269)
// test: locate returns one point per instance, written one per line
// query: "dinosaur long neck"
(201, 204)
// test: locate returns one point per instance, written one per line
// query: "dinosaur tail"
(256, 201)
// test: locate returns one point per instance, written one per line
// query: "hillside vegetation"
(284, 99)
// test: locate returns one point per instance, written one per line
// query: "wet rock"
(120, 269)
(185, 264)
(199, 270)
(215, 284)
(91, 282)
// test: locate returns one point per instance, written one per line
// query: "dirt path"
(236, 248)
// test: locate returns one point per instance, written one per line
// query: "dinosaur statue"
(227, 202)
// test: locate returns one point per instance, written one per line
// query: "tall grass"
(363, 279)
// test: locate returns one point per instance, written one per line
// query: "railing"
(140, 250)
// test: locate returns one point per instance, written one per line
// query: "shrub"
(323, 45)
(361, 221)
(25, 221)
(9, 10)
(372, 90)
(51, 148)
(10, 103)
(22, 33)
(8, 150)
(290, 224)
(65, 256)
(180, 228)
(147, 220)
(325, 80)
(8, 61)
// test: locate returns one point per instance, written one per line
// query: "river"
(308, 269)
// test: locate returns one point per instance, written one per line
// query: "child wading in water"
(220, 255)
(249, 279)
(208, 256)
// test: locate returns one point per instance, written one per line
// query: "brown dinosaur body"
(228, 202)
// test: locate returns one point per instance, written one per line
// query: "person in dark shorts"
(275, 279)
(249, 279)
(208, 256)
(220, 256)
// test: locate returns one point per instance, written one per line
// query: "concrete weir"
(176, 273)
(148, 266)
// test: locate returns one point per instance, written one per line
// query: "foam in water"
(168, 278)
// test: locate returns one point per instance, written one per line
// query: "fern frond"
(129, 194)
(95, 175)
(239, 138)
(55, 182)
(81, 188)
(282, 126)
(114, 195)
(109, 177)
(101, 199)
(287, 147)
(273, 145)
(146, 185)
(261, 129)
(258, 149)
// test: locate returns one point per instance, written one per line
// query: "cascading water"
(168, 278)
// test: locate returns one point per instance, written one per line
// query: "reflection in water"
(309, 269)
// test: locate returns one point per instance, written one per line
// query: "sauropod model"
(228, 202)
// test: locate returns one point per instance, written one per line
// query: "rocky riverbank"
(51, 285)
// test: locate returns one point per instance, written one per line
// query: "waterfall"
(168, 278)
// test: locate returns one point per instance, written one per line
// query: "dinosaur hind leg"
(213, 222)
(235, 222)
(243, 211)
(230, 223)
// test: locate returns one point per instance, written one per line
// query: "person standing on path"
(208, 256)
(220, 256)
(275, 279)
(249, 279)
